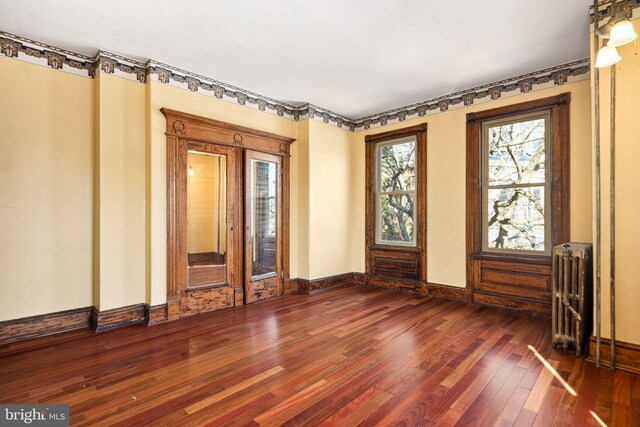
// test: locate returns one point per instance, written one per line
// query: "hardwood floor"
(343, 357)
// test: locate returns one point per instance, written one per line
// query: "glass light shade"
(607, 56)
(622, 33)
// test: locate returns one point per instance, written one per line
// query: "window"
(396, 208)
(396, 192)
(517, 200)
(515, 184)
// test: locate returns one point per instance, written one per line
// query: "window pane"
(398, 167)
(516, 218)
(263, 194)
(396, 215)
(516, 153)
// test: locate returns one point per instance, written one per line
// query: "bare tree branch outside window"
(515, 184)
(396, 191)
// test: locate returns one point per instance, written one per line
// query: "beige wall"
(446, 169)
(122, 120)
(299, 204)
(46, 190)
(332, 201)
(327, 184)
(119, 279)
(627, 203)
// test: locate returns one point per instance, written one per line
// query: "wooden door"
(263, 226)
(208, 208)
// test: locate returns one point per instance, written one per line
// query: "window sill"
(395, 248)
(526, 259)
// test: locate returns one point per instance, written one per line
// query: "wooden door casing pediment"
(196, 128)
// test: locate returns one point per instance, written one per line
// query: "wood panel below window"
(512, 284)
(395, 263)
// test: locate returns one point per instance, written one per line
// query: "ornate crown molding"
(548, 77)
(110, 63)
(168, 74)
(604, 8)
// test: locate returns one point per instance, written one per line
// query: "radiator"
(572, 296)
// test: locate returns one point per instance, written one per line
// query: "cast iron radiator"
(572, 296)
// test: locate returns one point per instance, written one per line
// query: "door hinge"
(282, 274)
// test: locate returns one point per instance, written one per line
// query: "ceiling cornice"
(604, 8)
(110, 63)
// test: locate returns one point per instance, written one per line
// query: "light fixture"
(607, 56)
(604, 32)
(190, 170)
(622, 32)
(619, 30)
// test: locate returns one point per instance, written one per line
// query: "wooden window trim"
(419, 251)
(558, 106)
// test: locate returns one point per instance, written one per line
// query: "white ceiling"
(353, 57)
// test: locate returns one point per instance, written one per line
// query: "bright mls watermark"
(34, 415)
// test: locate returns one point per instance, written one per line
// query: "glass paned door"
(206, 218)
(263, 223)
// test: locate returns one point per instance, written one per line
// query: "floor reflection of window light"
(553, 371)
(562, 381)
(597, 418)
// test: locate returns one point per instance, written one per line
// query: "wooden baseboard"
(292, 286)
(313, 286)
(627, 354)
(80, 318)
(35, 326)
(44, 324)
(118, 317)
(446, 292)
(155, 314)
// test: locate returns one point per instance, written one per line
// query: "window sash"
(546, 184)
(378, 193)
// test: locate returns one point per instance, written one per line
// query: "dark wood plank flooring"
(346, 356)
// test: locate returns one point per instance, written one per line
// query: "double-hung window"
(395, 191)
(518, 209)
(516, 190)
(396, 208)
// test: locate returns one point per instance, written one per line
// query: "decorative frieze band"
(111, 63)
(39, 53)
(183, 79)
(549, 77)
(605, 9)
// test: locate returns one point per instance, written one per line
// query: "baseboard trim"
(292, 286)
(155, 314)
(627, 354)
(313, 286)
(438, 290)
(103, 320)
(100, 321)
(44, 324)
(80, 318)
